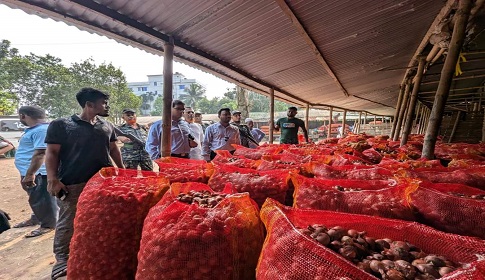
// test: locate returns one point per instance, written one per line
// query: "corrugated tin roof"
(255, 44)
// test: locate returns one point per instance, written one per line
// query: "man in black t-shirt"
(77, 148)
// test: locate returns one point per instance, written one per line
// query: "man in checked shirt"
(220, 136)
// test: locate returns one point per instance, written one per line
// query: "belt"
(184, 155)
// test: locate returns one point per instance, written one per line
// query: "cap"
(128, 110)
(236, 112)
(198, 113)
(248, 120)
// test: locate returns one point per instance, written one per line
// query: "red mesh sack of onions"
(267, 149)
(184, 170)
(259, 184)
(288, 253)
(451, 208)
(188, 235)
(225, 157)
(355, 172)
(109, 221)
(369, 197)
(473, 177)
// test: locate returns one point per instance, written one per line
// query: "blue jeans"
(43, 205)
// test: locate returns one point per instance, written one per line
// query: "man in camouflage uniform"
(134, 153)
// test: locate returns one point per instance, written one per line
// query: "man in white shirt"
(220, 136)
(197, 133)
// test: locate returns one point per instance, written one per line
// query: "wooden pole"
(343, 123)
(398, 108)
(415, 121)
(307, 116)
(359, 122)
(167, 98)
(412, 101)
(271, 115)
(329, 128)
(457, 39)
(454, 127)
(402, 110)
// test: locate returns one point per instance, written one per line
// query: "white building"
(153, 88)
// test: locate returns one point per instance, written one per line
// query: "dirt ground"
(21, 258)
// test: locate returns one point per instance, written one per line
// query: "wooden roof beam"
(301, 29)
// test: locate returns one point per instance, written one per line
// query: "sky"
(33, 34)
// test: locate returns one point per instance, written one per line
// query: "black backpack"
(4, 221)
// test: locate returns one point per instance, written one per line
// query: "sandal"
(27, 223)
(59, 270)
(38, 232)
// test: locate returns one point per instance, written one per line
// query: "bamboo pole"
(415, 121)
(360, 121)
(402, 111)
(271, 115)
(329, 128)
(343, 123)
(167, 98)
(307, 116)
(455, 125)
(398, 108)
(457, 39)
(412, 101)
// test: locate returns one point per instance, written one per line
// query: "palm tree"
(192, 94)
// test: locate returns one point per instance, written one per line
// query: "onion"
(445, 270)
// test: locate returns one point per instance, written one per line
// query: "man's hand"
(192, 143)
(28, 181)
(54, 186)
(124, 139)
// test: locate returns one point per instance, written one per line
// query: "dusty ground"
(21, 258)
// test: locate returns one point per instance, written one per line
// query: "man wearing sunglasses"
(182, 139)
(198, 133)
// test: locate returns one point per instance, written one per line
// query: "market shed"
(316, 54)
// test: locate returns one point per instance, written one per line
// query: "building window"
(144, 88)
(155, 83)
(156, 92)
(140, 88)
(181, 86)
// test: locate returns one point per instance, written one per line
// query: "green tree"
(158, 107)
(8, 103)
(192, 94)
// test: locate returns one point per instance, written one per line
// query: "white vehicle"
(11, 125)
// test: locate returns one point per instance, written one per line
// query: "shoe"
(38, 232)
(59, 270)
(27, 223)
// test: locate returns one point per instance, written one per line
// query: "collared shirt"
(180, 138)
(131, 150)
(84, 147)
(198, 133)
(218, 137)
(258, 135)
(32, 139)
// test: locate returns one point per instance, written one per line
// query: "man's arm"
(277, 125)
(115, 154)
(35, 163)
(152, 145)
(305, 132)
(54, 185)
(6, 148)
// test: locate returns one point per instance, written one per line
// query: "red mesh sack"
(474, 177)
(450, 213)
(259, 184)
(185, 241)
(355, 172)
(377, 197)
(257, 153)
(225, 157)
(372, 155)
(184, 170)
(288, 254)
(109, 221)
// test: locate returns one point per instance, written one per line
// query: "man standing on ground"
(220, 136)
(197, 132)
(289, 127)
(257, 134)
(29, 160)
(77, 148)
(244, 131)
(182, 139)
(133, 153)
